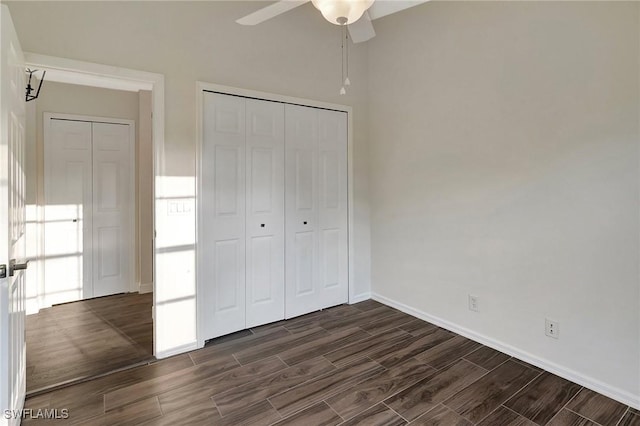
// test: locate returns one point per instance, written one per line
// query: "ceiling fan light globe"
(342, 12)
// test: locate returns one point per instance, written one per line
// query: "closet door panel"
(265, 212)
(332, 207)
(301, 165)
(68, 211)
(112, 186)
(223, 208)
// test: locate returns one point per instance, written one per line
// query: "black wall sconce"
(29, 96)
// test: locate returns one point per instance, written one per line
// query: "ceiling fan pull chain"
(347, 82)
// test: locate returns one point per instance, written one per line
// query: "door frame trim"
(94, 74)
(46, 141)
(202, 87)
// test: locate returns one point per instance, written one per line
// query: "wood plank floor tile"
(214, 350)
(486, 394)
(358, 398)
(372, 365)
(238, 397)
(312, 320)
(220, 383)
(195, 413)
(261, 413)
(319, 414)
(362, 318)
(426, 394)
(442, 416)
(378, 415)
(505, 417)
(98, 387)
(383, 341)
(132, 414)
(541, 399)
(597, 407)
(392, 321)
(417, 327)
(526, 364)
(231, 338)
(367, 305)
(630, 419)
(448, 352)
(279, 345)
(182, 398)
(397, 355)
(322, 345)
(190, 376)
(569, 418)
(86, 400)
(487, 357)
(322, 387)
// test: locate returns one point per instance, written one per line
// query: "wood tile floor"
(364, 364)
(83, 339)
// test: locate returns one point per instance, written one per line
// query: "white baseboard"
(191, 346)
(146, 288)
(360, 298)
(620, 395)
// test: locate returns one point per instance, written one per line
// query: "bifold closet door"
(243, 213)
(316, 209)
(68, 211)
(333, 198)
(265, 212)
(112, 206)
(223, 210)
(88, 206)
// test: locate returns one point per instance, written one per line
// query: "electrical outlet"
(552, 328)
(474, 303)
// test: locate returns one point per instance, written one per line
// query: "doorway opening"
(90, 292)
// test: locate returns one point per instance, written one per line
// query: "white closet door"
(301, 163)
(112, 206)
(332, 208)
(265, 212)
(68, 211)
(223, 210)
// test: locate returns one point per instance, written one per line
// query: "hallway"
(74, 341)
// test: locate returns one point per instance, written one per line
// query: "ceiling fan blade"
(270, 11)
(381, 8)
(362, 29)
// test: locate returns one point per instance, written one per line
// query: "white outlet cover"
(552, 328)
(474, 303)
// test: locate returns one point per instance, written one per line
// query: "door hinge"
(3, 271)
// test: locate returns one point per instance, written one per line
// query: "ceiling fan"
(355, 14)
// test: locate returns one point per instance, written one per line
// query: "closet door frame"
(201, 88)
(46, 120)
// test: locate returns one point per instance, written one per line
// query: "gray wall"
(504, 164)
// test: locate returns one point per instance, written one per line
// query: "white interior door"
(112, 207)
(12, 221)
(68, 211)
(301, 245)
(223, 216)
(265, 212)
(89, 205)
(332, 208)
